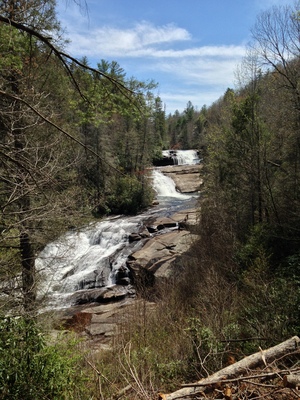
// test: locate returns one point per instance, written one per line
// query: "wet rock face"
(164, 161)
(94, 280)
(145, 233)
(123, 276)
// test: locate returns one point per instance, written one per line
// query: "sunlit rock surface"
(160, 251)
(187, 178)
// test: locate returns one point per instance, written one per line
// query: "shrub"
(30, 369)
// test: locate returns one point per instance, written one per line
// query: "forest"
(81, 150)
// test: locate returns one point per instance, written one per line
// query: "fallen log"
(262, 357)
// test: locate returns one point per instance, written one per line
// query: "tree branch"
(62, 56)
(3, 93)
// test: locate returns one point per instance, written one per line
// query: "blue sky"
(191, 48)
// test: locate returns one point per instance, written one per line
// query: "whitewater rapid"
(90, 257)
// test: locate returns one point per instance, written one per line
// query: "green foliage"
(265, 281)
(254, 246)
(206, 347)
(129, 195)
(13, 48)
(31, 369)
(269, 307)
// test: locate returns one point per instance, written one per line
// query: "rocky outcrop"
(187, 178)
(159, 252)
(102, 295)
(99, 323)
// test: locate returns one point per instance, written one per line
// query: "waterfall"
(182, 157)
(91, 257)
(165, 186)
(86, 259)
(187, 157)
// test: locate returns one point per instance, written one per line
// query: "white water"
(90, 257)
(165, 186)
(183, 157)
(85, 259)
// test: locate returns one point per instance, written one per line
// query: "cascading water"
(165, 186)
(91, 257)
(182, 157)
(87, 259)
(187, 157)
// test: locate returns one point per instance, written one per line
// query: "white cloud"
(216, 72)
(150, 34)
(138, 41)
(144, 40)
(205, 51)
(166, 53)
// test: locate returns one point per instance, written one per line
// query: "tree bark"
(291, 381)
(241, 367)
(28, 272)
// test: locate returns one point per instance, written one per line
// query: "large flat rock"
(159, 252)
(187, 178)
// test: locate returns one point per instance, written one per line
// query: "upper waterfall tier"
(178, 157)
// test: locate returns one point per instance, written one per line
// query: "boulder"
(101, 322)
(145, 233)
(171, 237)
(163, 223)
(95, 329)
(160, 252)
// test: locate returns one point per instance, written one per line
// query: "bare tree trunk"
(28, 271)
